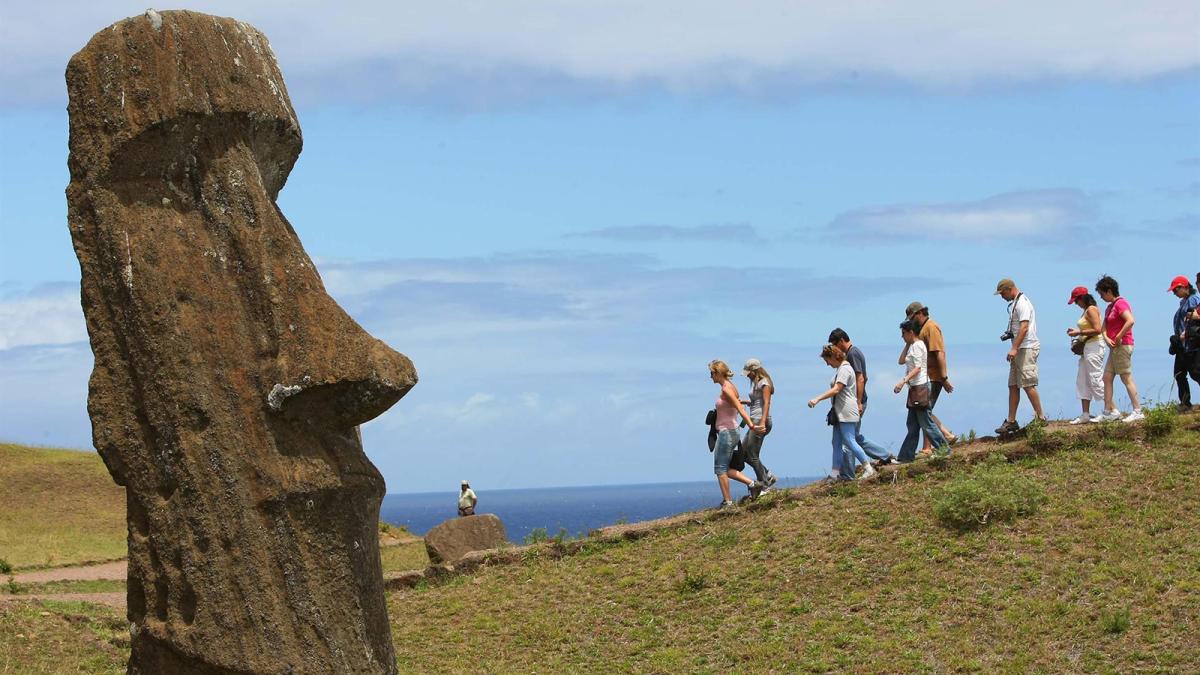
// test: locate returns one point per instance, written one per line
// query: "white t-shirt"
(845, 404)
(1023, 311)
(466, 498)
(918, 357)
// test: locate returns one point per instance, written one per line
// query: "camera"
(1006, 336)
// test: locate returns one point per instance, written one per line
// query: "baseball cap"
(1004, 284)
(751, 364)
(1177, 282)
(1076, 293)
(913, 308)
(465, 483)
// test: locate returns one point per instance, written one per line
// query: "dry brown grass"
(58, 507)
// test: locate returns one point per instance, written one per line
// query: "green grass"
(62, 637)
(1160, 420)
(993, 492)
(410, 555)
(58, 507)
(1102, 578)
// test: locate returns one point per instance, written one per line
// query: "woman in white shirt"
(915, 359)
(843, 417)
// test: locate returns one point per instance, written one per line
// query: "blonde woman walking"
(728, 407)
(762, 389)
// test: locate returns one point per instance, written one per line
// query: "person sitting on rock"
(467, 500)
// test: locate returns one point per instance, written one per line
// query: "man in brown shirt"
(931, 335)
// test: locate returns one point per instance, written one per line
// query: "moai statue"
(228, 386)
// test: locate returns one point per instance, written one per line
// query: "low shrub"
(1160, 421)
(536, 536)
(994, 492)
(692, 583)
(5, 568)
(1035, 433)
(1040, 438)
(539, 535)
(1115, 622)
(1113, 429)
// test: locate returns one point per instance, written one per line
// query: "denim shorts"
(727, 442)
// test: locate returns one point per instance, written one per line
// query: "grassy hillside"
(1103, 577)
(58, 507)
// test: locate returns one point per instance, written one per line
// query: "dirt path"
(113, 571)
(115, 600)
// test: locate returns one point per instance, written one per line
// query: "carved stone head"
(228, 386)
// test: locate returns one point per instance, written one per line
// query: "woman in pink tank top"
(1118, 335)
(728, 407)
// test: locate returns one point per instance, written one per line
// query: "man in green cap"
(1022, 357)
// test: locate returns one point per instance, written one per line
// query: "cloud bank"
(730, 233)
(484, 52)
(1032, 214)
(45, 315)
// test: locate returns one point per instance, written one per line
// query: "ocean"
(577, 510)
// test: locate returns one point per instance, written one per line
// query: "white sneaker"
(1134, 416)
(1107, 416)
(868, 471)
(1082, 419)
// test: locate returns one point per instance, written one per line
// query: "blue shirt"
(858, 362)
(1186, 305)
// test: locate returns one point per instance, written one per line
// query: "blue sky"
(562, 211)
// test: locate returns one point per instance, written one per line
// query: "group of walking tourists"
(1103, 342)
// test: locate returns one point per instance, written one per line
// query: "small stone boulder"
(455, 538)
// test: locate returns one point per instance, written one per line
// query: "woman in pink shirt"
(1118, 335)
(729, 407)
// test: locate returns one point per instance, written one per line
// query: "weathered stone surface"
(228, 386)
(455, 538)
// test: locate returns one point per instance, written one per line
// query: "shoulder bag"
(918, 397)
(1077, 346)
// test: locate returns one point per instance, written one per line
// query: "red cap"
(1076, 292)
(1177, 282)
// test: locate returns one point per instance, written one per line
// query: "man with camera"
(1022, 357)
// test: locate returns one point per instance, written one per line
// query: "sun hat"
(914, 307)
(1177, 282)
(751, 364)
(1076, 293)
(1004, 284)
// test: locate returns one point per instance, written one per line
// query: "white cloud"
(1042, 214)
(45, 315)
(737, 233)
(518, 47)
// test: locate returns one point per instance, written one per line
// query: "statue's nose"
(349, 390)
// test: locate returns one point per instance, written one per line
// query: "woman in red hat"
(1185, 339)
(1089, 380)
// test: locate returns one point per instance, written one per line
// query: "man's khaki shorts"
(1120, 360)
(1023, 370)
